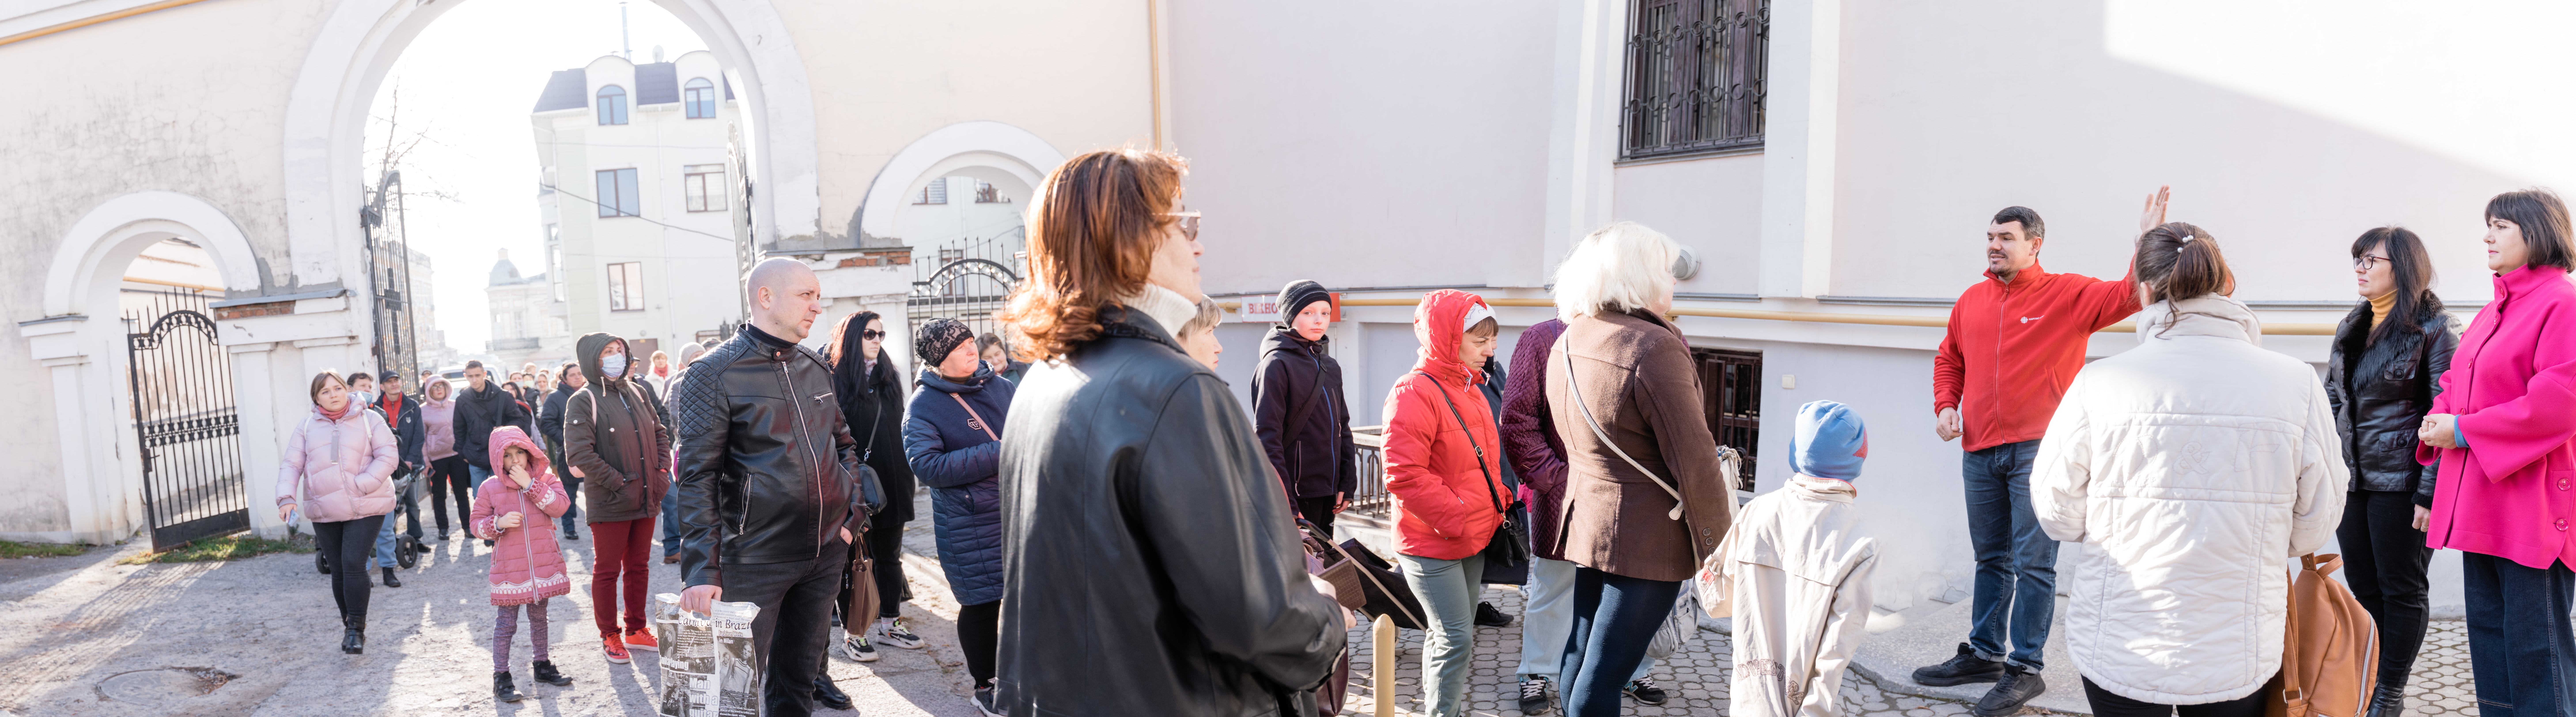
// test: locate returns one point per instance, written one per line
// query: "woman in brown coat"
(1644, 506)
(617, 445)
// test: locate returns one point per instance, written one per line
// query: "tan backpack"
(2330, 657)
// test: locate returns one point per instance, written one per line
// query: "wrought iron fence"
(1697, 74)
(1372, 497)
(968, 280)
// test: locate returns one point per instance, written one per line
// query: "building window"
(546, 181)
(934, 193)
(986, 194)
(1731, 387)
(617, 194)
(1697, 73)
(701, 97)
(704, 184)
(626, 286)
(612, 105)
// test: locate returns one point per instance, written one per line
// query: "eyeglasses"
(871, 334)
(2365, 261)
(1189, 224)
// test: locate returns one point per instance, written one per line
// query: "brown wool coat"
(1640, 382)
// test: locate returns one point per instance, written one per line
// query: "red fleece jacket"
(2013, 349)
(1444, 491)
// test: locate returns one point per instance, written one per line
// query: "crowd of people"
(1122, 536)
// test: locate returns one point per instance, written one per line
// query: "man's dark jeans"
(2521, 654)
(2016, 587)
(795, 602)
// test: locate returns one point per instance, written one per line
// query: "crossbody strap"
(1577, 388)
(978, 423)
(1471, 441)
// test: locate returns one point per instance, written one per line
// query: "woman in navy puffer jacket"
(951, 436)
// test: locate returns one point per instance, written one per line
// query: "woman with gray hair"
(1644, 502)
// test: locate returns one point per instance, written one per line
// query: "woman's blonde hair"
(1209, 314)
(1615, 268)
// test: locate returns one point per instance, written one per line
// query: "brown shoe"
(669, 559)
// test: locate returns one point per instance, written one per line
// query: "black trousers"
(2106, 704)
(2383, 559)
(979, 634)
(350, 543)
(885, 546)
(1319, 511)
(445, 472)
(791, 632)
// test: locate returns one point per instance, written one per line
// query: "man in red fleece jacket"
(2015, 342)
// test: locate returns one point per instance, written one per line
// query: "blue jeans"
(2521, 654)
(385, 545)
(1547, 616)
(2016, 588)
(1448, 590)
(1614, 617)
(475, 475)
(671, 522)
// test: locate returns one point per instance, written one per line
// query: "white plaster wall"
(1713, 206)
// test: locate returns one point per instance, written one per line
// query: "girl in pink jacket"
(516, 512)
(338, 472)
(2505, 489)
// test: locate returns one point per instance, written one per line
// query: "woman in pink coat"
(517, 513)
(2505, 490)
(338, 470)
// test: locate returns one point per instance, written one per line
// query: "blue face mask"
(362, 397)
(612, 365)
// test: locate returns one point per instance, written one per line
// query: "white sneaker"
(892, 632)
(856, 648)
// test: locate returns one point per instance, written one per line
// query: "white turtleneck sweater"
(1167, 307)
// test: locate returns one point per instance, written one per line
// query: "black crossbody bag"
(1510, 544)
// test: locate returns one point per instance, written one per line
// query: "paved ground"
(259, 637)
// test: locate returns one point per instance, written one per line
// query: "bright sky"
(469, 81)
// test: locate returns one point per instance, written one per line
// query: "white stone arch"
(327, 110)
(967, 148)
(81, 342)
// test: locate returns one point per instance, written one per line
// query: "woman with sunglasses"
(872, 400)
(2379, 382)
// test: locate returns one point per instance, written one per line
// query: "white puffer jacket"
(2193, 468)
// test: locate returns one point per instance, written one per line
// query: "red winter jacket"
(2013, 349)
(1443, 509)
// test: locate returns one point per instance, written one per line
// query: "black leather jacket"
(2380, 392)
(1149, 566)
(762, 459)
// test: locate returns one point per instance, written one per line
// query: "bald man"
(757, 426)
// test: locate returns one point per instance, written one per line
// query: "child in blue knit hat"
(1794, 573)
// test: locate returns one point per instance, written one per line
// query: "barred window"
(1697, 73)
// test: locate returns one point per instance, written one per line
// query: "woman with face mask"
(619, 447)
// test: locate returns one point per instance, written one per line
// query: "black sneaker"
(2016, 688)
(984, 702)
(1962, 669)
(1534, 699)
(1645, 691)
(1487, 616)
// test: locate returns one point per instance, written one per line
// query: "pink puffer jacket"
(527, 565)
(340, 470)
(438, 428)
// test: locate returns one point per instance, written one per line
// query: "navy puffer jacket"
(963, 467)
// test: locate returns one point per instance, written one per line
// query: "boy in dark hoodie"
(1297, 407)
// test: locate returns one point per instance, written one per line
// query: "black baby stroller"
(407, 549)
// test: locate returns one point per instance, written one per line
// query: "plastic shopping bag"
(708, 667)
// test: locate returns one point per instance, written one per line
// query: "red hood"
(1437, 323)
(505, 437)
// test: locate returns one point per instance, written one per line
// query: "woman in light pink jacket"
(338, 470)
(2503, 433)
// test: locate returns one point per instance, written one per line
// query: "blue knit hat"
(1829, 443)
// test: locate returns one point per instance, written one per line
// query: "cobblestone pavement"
(1696, 677)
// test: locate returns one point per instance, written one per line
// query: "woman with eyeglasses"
(872, 399)
(2379, 382)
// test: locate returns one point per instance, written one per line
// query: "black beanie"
(1295, 298)
(932, 342)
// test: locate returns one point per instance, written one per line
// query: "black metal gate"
(184, 422)
(966, 288)
(1731, 384)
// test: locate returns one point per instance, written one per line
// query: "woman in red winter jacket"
(1449, 498)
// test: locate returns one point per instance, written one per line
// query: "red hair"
(1092, 237)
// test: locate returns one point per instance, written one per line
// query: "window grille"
(1697, 75)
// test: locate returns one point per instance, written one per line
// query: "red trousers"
(622, 547)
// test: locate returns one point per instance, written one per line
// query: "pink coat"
(2511, 493)
(438, 428)
(339, 470)
(527, 565)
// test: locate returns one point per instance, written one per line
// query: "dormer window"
(701, 98)
(612, 105)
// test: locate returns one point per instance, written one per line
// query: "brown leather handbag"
(2330, 655)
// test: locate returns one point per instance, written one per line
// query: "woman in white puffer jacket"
(2193, 468)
